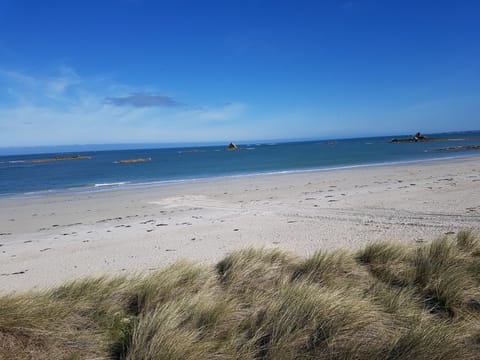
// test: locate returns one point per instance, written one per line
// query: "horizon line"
(175, 144)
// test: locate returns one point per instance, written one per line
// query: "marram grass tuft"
(385, 301)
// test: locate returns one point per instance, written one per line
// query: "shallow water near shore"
(102, 170)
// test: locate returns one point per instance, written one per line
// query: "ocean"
(31, 175)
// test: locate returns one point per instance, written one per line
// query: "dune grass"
(385, 301)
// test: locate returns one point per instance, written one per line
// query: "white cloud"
(66, 108)
(26, 89)
(57, 85)
(18, 77)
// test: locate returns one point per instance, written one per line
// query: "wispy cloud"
(17, 77)
(142, 100)
(57, 85)
(223, 112)
(67, 108)
(27, 88)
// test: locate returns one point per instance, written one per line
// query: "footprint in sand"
(147, 222)
(16, 273)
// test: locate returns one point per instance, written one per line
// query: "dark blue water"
(18, 175)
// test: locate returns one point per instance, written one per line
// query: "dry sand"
(47, 240)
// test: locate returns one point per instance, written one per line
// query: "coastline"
(132, 185)
(48, 239)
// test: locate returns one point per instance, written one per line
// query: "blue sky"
(133, 71)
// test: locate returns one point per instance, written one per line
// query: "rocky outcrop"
(418, 137)
(140, 160)
(232, 147)
(62, 158)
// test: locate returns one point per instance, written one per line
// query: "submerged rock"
(460, 147)
(62, 158)
(129, 161)
(190, 151)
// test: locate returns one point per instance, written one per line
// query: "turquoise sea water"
(20, 176)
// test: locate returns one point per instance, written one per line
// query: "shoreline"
(132, 185)
(47, 240)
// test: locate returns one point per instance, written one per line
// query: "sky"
(140, 71)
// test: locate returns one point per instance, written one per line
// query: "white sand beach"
(50, 239)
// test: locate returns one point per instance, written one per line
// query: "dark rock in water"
(460, 147)
(419, 136)
(416, 138)
(231, 147)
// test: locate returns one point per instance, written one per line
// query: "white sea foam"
(111, 184)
